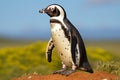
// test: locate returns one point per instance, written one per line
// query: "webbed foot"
(59, 71)
(68, 72)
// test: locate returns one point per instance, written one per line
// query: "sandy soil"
(74, 76)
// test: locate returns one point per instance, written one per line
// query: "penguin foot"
(59, 71)
(68, 72)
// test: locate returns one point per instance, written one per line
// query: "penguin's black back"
(83, 57)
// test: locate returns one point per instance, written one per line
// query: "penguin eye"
(51, 9)
(54, 11)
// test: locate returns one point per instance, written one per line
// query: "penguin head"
(54, 10)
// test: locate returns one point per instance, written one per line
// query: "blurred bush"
(99, 54)
(17, 61)
(112, 66)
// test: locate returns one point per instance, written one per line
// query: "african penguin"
(67, 41)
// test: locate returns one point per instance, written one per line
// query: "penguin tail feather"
(86, 67)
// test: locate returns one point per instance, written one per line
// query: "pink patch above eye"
(51, 8)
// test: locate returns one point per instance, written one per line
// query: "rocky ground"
(75, 76)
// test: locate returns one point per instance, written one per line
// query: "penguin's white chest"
(61, 43)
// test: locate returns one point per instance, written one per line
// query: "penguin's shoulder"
(71, 28)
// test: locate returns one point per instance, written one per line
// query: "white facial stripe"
(51, 7)
(61, 16)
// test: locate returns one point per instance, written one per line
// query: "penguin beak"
(42, 11)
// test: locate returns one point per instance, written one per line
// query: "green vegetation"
(99, 54)
(112, 66)
(17, 61)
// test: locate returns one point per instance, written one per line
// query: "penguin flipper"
(49, 49)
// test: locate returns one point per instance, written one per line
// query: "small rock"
(105, 79)
(29, 77)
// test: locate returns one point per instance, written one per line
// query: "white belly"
(61, 44)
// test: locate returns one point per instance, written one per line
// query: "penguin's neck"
(58, 20)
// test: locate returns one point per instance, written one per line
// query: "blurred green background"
(19, 58)
(24, 34)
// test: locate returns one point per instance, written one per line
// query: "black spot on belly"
(68, 45)
(59, 29)
(61, 54)
(66, 48)
(58, 34)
